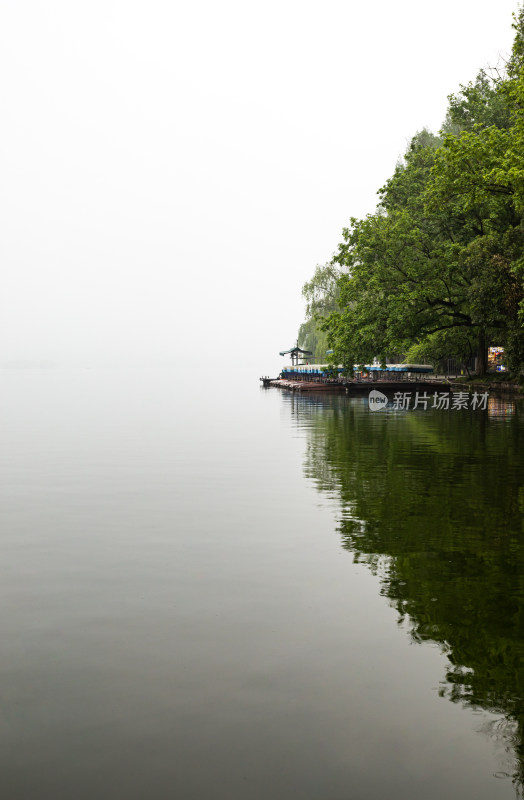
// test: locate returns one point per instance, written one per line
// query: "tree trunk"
(482, 355)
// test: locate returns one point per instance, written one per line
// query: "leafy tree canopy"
(441, 259)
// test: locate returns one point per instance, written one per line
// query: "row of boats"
(323, 371)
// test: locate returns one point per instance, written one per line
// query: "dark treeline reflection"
(434, 501)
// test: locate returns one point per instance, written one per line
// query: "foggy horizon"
(173, 175)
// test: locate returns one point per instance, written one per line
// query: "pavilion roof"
(296, 350)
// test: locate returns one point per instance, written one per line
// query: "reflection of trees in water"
(437, 500)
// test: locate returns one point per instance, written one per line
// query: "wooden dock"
(389, 382)
(304, 386)
(359, 387)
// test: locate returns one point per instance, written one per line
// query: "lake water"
(219, 591)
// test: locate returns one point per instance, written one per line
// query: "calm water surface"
(223, 592)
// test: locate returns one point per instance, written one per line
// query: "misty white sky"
(173, 172)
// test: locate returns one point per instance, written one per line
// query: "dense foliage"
(321, 294)
(437, 270)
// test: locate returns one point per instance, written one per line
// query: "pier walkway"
(419, 383)
(360, 386)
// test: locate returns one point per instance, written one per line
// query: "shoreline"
(364, 386)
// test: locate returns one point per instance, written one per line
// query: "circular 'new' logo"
(377, 401)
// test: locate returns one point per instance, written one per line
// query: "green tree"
(321, 295)
(406, 277)
(441, 261)
(479, 103)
